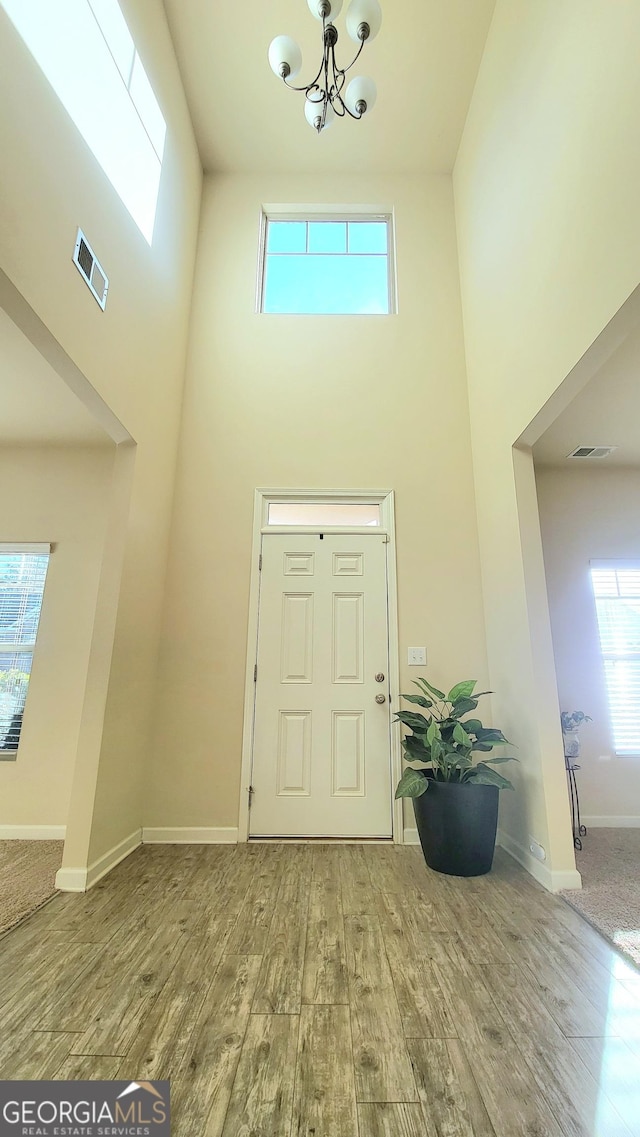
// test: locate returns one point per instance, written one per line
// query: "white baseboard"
(71, 880)
(552, 880)
(617, 822)
(33, 832)
(411, 837)
(190, 836)
(80, 879)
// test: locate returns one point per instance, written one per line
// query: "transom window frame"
(335, 213)
(614, 565)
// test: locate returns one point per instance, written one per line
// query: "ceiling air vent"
(592, 451)
(90, 268)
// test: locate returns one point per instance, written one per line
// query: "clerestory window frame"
(331, 214)
(122, 122)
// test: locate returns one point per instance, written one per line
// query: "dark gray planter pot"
(457, 824)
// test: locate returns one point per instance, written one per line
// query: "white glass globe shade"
(364, 12)
(316, 10)
(313, 111)
(284, 50)
(361, 89)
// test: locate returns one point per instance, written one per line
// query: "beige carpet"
(27, 875)
(610, 896)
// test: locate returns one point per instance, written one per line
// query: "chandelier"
(326, 97)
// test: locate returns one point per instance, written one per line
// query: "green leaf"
(432, 690)
(469, 774)
(501, 758)
(438, 752)
(461, 690)
(415, 722)
(472, 726)
(484, 746)
(433, 733)
(419, 699)
(488, 777)
(492, 735)
(416, 749)
(412, 784)
(463, 761)
(461, 737)
(463, 706)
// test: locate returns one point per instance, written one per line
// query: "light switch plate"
(417, 656)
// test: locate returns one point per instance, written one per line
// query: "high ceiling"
(424, 61)
(605, 413)
(36, 406)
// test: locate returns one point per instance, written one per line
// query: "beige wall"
(589, 515)
(133, 355)
(548, 231)
(341, 402)
(60, 496)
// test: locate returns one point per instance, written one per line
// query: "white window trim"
(33, 548)
(300, 212)
(263, 498)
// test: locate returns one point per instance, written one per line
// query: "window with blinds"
(616, 588)
(22, 576)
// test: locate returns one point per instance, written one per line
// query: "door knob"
(379, 677)
(380, 699)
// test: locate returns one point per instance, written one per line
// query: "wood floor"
(329, 991)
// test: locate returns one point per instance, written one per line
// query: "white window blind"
(23, 571)
(616, 588)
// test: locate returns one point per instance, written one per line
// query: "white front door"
(321, 759)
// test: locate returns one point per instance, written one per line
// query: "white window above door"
(323, 513)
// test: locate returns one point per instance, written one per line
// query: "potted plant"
(455, 799)
(571, 723)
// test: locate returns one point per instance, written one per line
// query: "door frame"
(263, 498)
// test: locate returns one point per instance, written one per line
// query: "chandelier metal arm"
(308, 86)
(343, 71)
(325, 94)
(335, 94)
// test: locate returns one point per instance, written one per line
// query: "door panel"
(321, 762)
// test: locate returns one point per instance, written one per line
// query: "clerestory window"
(327, 265)
(87, 53)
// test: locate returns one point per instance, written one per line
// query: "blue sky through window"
(327, 268)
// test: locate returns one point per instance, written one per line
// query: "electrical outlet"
(537, 850)
(417, 656)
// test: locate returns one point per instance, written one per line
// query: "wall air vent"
(592, 452)
(90, 268)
